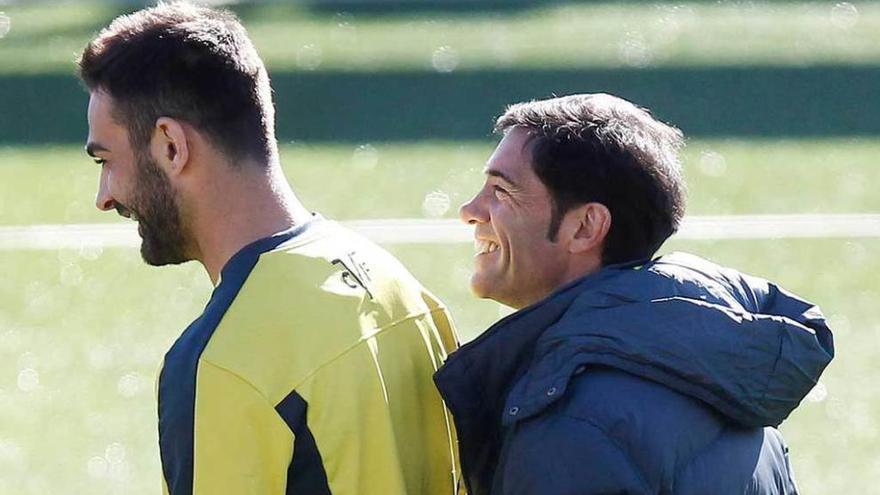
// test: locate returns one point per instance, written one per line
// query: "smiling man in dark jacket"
(618, 375)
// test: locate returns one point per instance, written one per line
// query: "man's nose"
(473, 211)
(104, 200)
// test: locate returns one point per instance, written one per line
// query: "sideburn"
(165, 240)
(556, 215)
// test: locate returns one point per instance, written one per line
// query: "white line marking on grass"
(807, 226)
(447, 231)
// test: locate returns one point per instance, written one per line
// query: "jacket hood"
(744, 346)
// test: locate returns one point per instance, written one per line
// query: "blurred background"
(385, 109)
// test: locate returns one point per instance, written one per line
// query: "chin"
(161, 257)
(479, 287)
(484, 289)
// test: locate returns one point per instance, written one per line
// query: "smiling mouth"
(126, 213)
(484, 247)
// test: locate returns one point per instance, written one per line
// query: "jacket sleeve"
(570, 456)
(241, 444)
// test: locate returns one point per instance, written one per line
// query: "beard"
(156, 208)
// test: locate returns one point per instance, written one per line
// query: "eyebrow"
(93, 148)
(497, 173)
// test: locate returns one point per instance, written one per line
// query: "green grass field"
(350, 182)
(47, 37)
(82, 332)
(95, 328)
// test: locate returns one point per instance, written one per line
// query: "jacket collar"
(476, 379)
(482, 369)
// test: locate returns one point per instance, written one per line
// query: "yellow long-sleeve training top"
(309, 372)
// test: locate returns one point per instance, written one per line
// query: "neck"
(239, 209)
(578, 267)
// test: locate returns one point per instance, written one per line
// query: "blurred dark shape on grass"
(356, 107)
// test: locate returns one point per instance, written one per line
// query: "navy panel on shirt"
(306, 473)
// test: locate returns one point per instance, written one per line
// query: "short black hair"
(190, 63)
(600, 148)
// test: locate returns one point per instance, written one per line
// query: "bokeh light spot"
(97, 467)
(11, 454)
(115, 453)
(365, 157)
(67, 256)
(28, 380)
(436, 204)
(818, 394)
(344, 33)
(844, 15)
(712, 164)
(445, 59)
(5, 25)
(71, 275)
(634, 51)
(309, 57)
(129, 385)
(91, 253)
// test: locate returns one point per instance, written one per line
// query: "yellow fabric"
(241, 445)
(338, 320)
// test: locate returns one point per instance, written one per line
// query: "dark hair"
(600, 148)
(189, 63)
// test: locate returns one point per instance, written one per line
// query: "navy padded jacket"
(665, 378)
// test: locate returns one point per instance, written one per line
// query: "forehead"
(103, 127)
(512, 158)
(100, 108)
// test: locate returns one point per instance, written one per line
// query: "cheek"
(525, 234)
(129, 184)
(117, 187)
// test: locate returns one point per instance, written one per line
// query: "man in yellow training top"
(309, 371)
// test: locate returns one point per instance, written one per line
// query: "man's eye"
(499, 191)
(100, 161)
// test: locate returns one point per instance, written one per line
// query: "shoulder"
(333, 262)
(609, 396)
(314, 301)
(292, 315)
(651, 426)
(754, 460)
(668, 438)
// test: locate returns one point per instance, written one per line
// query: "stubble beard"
(158, 213)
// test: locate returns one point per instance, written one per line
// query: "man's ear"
(170, 146)
(589, 226)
